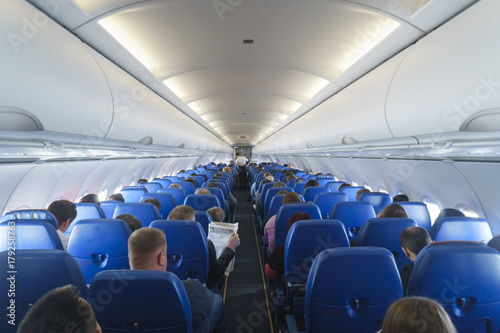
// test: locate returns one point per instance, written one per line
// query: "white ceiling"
(192, 52)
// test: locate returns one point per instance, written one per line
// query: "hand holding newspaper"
(219, 233)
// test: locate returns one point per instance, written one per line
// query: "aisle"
(246, 305)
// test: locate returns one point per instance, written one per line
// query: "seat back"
(220, 195)
(311, 192)
(323, 180)
(263, 191)
(188, 187)
(152, 187)
(133, 193)
(144, 211)
(384, 232)
(351, 192)
(459, 228)
(85, 211)
(203, 218)
(30, 214)
(165, 183)
(202, 201)
(465, 278)
(99, 244)
(270, 195)
(367, 281)
(178, 193)
(275, 205)
(187, 252)
(378, 200)
(298, 187)
(417, 211)
(38, 272)
(334, 185)
(495, 243)
(160, 302)
(352, 215)
(108, 207)
(173, 179)
(326, 201)
(167, 202)
(288, 210)
(29, 234)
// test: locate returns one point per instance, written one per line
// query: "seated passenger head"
(343, 185)
(64, 211)
(175, 186)
(202, 191)
(450, 212)
(311, 183)
(361, 191)
(92, 198)
(117, 197)
(141, 181)
(289, 173)
(217, 214)
(393, 210)
(269, 177)
(154, 202)
(290, 197)
(401, 198)
(226, 169)
(182, 212)
(147, 249)
(278, 184)
(133, 222)
(296, 217)
(212, 184)
(282, 192)
(191, 180)
(417, 314)
(57, 311)
(413, 240)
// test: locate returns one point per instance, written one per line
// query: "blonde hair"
(182, 212)
(417, 315)
(202, 191)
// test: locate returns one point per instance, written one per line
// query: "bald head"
(147, 247)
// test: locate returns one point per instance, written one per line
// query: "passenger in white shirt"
(65, 213)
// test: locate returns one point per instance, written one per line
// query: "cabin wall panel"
(10, 176)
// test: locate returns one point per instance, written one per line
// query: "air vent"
(309, 145)
(181, 146)
(349, 140)
(147, 140)
(16, 119)
(242, 137)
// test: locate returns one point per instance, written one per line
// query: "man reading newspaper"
(219, 233)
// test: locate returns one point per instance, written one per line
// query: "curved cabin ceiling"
(246, 68)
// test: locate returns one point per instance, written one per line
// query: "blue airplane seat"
(99, 244)
(188, 187)
(203, 218)
(495, 243)
(465, 278)
(378, 200)
(459, 228)
(187, 252)
(288, 210)
(84, 211)
(198, 180)
(311, 192)
(160, 302)
(220, 195)
(275, 205)
(152, 187)
(353, 214)
(165, 183)
(384, 232)
(333, 185)
(201, 168)
(367, 282)
(202, 201)
(326, 201)
(351, 192)
(300, 173)
(291, 182)
(178, 193)
(30, 214)
(184, 174)
(144, 211)
(298, 187)
(271, 192)
(133, 193)
(323, 180)
(173, 179)
(108, 207)
(304, 241)
(417, 211)
(29, 235)
(37, 272)
(167, 202)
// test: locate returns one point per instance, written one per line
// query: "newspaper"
(218, 233)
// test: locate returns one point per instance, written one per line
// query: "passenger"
(279, 184)
(175, 186)
(133, 222)
(450, 212)
(393, 210)
(217, 267)
(241, 163)
(60, 310)
(270, 227)
(312, 183)
(275, 266)
(412, 240)
(91, 198)
(154, 202)
(217, 214)
(417, 315)
(202, 190)
(147, 250)
(141, 181)
(400, 197)
(258, 197)
(116, 197)
(343, 185)
(65, 212)
(282, 192)
(361, 191)
(191, 180)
